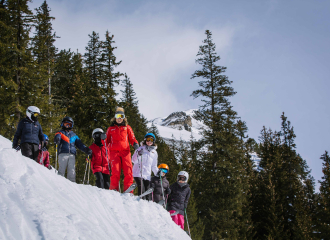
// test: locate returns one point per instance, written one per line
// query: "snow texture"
(35, 203)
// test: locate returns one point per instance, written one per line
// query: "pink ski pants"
(178, 219)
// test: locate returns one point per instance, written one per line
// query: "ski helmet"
(33, 112)
(150, 135)
(46, 138)
(183, 173)
(164, 168)
(97, 130)
(67, 119)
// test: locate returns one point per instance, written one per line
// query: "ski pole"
(89, 169)
(141, 174)
(161, 183)
(85, 170)
(187, 221)
(56, 158)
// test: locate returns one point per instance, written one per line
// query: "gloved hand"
(140, 152)
(89, 152)
(136, 146)
(17, 147)
(44, 149)
(168, 191)
(152, 185)
(50, 167)
(57, 140)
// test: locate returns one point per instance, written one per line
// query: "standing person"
(178, 200)
(67, 141)
(145, 160)
(99, 160)
(43, 157)
(30, 132)
(119, 135)
(160, 183)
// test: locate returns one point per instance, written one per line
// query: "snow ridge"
(38, 204)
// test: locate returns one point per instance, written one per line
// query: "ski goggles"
(35, 114)
(119, 115)
(163, 170)
(100, 135)
(149, 140)
(182, 178)
(67, 124)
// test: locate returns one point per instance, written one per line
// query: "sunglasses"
(164, 170)
(150, 140)
(183, 178)
(119, 115)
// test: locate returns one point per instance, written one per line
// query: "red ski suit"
(45, 158)
(99, 161)
(118, 139)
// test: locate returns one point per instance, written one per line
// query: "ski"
(150, 190)
(161, 202)
(175, 213)
(132, 187)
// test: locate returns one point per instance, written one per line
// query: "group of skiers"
(109, 154)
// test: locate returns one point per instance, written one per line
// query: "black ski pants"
(30, 150)
(102, 180)
(145, 186)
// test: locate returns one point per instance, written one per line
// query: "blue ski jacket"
(28, 132)
(67, 142)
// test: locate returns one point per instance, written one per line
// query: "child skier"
(99, 160)
(119, 135)
(43, 157)
(145, 160)
(160, 184)
(67, 141)
(178, 200)
(30, 132)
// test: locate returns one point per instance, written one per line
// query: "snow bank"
(38, 204)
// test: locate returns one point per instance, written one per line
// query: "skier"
(30, 132)
(119, 135)
(67, 141)
(178, 200)
(160, 183)
(99, 160)
(145, 160)
(43, 157)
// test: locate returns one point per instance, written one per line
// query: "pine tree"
(17, 89)
(221, 197)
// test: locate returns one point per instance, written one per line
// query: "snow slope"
(35, 203)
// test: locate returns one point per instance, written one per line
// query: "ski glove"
(17, 147)
(44, 149)
(136, 146)
(140, 152)
(50, 167)
(168, 191)
(57, 141)
(89, 152)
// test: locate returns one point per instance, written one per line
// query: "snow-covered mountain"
(35, 203)
(180, 125)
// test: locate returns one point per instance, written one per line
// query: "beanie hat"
(120, 110)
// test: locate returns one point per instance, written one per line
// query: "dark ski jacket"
(178, 200)
(29, 132)
(68, 141)
(156, 184)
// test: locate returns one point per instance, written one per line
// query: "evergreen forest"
(232, 198)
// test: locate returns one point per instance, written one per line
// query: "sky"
(276, 54)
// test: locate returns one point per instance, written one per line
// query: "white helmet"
(183, 173)
(32, 112)
(97, 130)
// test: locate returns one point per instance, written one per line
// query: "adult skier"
(67, 141)
(178, 200)
(145, 160)
(30, 132)
(99, 160)
(43, 157)
(119, 136)
(160, 184)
